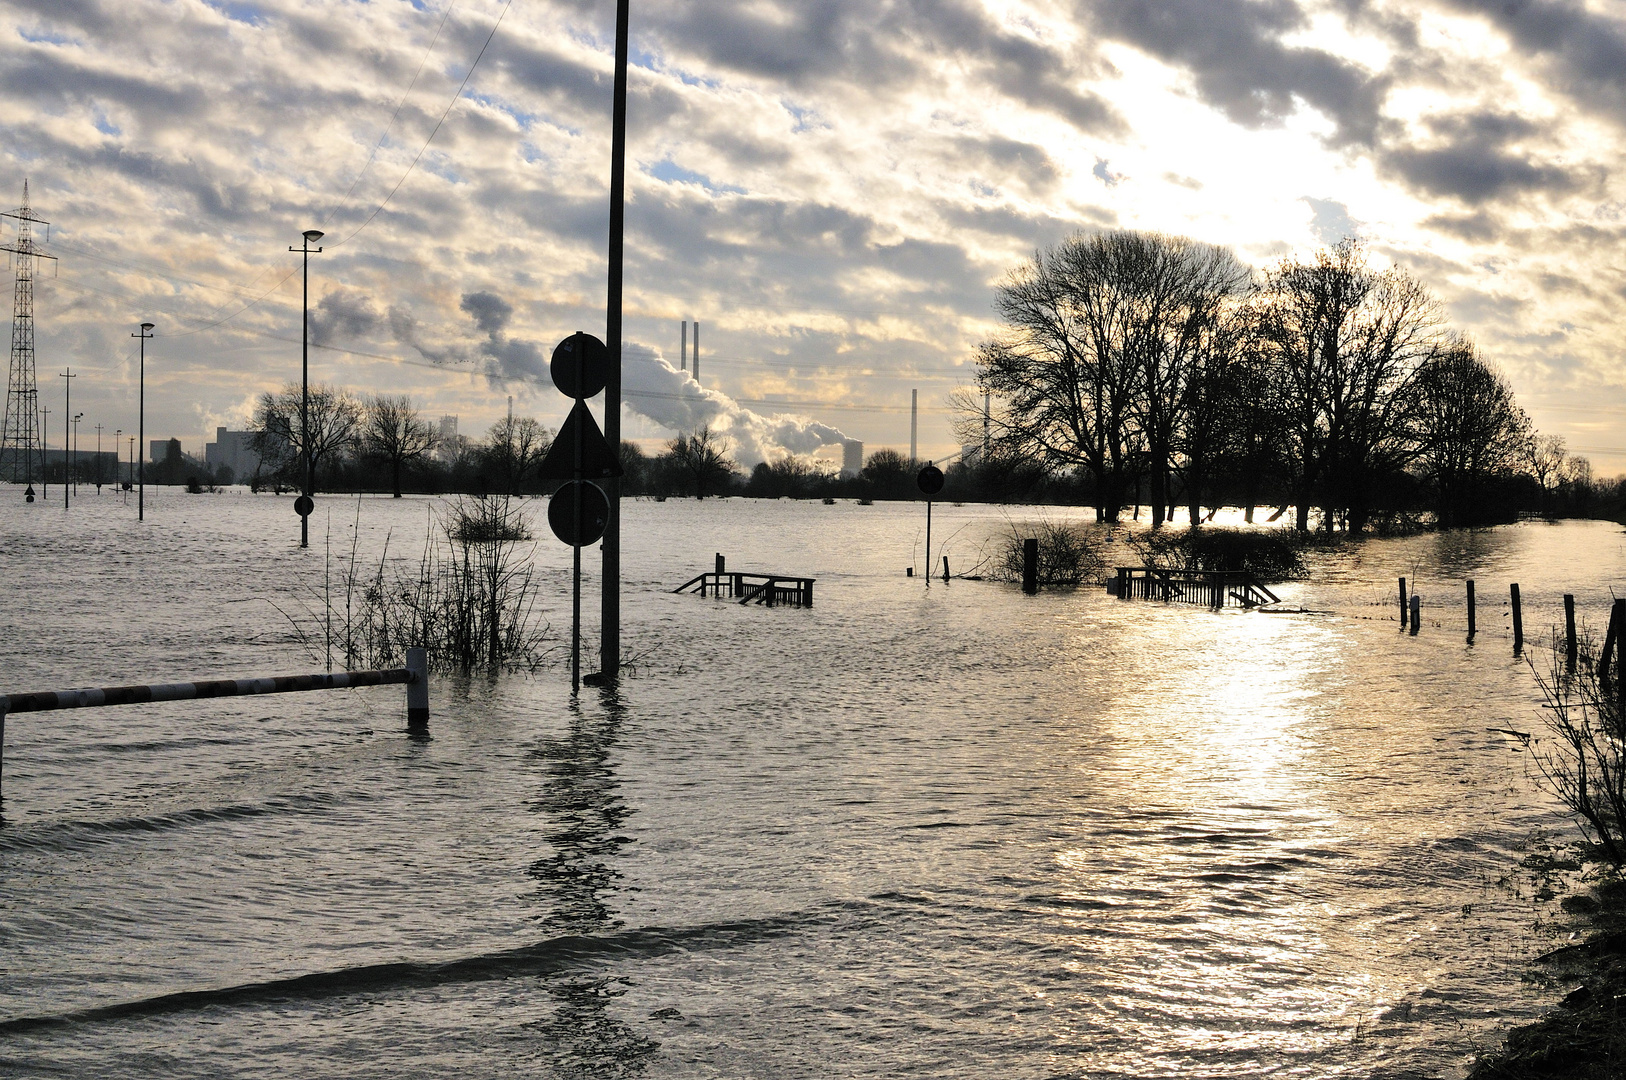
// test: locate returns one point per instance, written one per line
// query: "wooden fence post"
(1518, 620)
(1402, 603)
(1570, 645)
(1030, 565)
(1471, 609)
(417, 662)
(1416, 613)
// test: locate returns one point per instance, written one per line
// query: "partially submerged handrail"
(415, 676)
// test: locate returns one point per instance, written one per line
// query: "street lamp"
(304, 504)
(141, 422)
(73, 454)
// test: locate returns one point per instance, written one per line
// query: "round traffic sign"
(578, 365)
(562, 513)
(930, 480)
(304, 505)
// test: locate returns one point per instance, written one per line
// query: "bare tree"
(514, 447)
(282, 440)
(1106, 333)
(1545, 462)
(702, 458)
(1468, 430)
(394, 432)
(1344, 341)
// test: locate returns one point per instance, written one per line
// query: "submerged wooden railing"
(1211, 588)
(747, 587)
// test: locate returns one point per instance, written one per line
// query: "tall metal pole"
(67, 443)
(45, 435)
(98, 459)
(73, 454)
(311, 236)
(610, 586)
(141, 423)
(914, 430)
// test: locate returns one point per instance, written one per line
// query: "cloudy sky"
(831, 187)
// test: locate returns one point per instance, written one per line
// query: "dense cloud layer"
(831, 186)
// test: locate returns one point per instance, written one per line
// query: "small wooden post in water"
(1611, 640)
(1470, 610)
(1569, 631)
(945, 568)
(1416, 613)
(1402, 603)
(1030, 565)
(417, 662)
(1518, 621)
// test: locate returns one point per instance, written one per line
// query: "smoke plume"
(653, 388)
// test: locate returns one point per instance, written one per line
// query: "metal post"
(1471, 612)
(610, 584)
(141, 422)
(67, 444)
(928, 542)
(417, 662)
(1402, 603)
(311, 236)
(914, 432)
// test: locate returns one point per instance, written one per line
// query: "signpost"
(930, 482)
(579, 512)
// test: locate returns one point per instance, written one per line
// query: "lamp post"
(130, 480)
(304, 505)
(99, 458)
(45, 434)
(141, 423)
(73, 454)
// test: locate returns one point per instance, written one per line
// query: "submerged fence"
(415, 676)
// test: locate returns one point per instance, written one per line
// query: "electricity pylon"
(19, 429)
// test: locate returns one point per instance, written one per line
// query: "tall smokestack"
(683, 349)
(696, 370)
(914, 424)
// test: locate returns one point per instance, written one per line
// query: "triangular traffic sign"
(597, 460)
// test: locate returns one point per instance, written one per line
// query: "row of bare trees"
(1131, 355)
(384, 431)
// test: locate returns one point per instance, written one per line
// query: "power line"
(449, 105)
(397, 113)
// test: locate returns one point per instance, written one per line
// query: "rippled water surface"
(944, 831)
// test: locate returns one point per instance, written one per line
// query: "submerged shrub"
(1582, 761)
(1273, 555)
(1068, 554)
(471, 601)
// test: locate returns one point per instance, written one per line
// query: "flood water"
(911, 831)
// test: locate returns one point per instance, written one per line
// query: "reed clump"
(471, 600)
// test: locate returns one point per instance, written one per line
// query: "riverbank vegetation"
(1580, 757)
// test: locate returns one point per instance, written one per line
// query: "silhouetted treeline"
(1156, 367)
